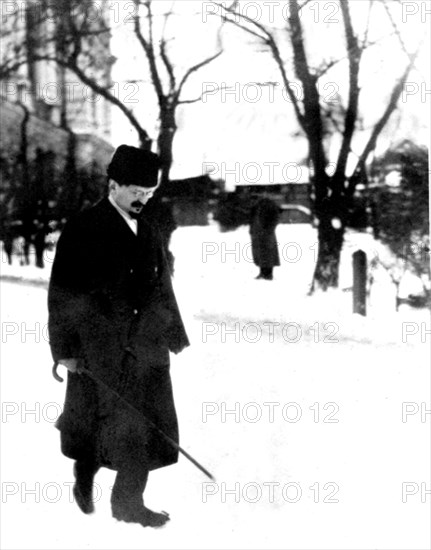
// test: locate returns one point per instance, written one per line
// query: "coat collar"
(117, 222)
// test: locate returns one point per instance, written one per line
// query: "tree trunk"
(328, 258)
(165, 142)
(331, 213)
(22, 181)
(69, 198)
(144, 141)
(158, 210)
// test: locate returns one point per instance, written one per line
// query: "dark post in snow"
(360, 282)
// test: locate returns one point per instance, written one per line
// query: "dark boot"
(83, 489)
(127, 500)
(266, 273)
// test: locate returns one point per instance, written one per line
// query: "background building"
(55, 133)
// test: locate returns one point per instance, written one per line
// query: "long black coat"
(264, 219)
(111, 304)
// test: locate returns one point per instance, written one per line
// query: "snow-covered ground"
(313, 420)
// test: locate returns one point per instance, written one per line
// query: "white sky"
(226, 128)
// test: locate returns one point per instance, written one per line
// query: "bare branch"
(397, 31)
(259, 26)
(367, 28)
(392, 104)
(304, 4)
(194, 69)
(149, 52)
(354, 53)
(268, 39)
(312, 119)
(246, 29)
(168, 64)
(277, 57)
(147, 4)
(167, 15)
(188, 101)
(328, 66)
(91, 83)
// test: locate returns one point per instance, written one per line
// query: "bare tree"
(72, 40)
(169, 94)
(332, 193)
(74, 36)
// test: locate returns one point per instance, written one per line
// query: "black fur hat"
(133, 166)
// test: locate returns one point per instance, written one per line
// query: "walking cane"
(150, 422)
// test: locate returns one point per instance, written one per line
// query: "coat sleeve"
(174, 334)
(66, 302)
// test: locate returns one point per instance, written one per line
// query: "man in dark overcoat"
(112, 311)
(264, 219)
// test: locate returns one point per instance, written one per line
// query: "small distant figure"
(8, 237)
(39, 241)
(27, 235)
(264, 219)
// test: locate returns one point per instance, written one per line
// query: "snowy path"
(288, 476)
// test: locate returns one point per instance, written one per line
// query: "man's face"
(131, 198)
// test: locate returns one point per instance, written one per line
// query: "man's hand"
(70, 364)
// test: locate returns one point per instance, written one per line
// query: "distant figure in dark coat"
(264, 220)
(112, 310)
(39, 241)
(8, 237)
